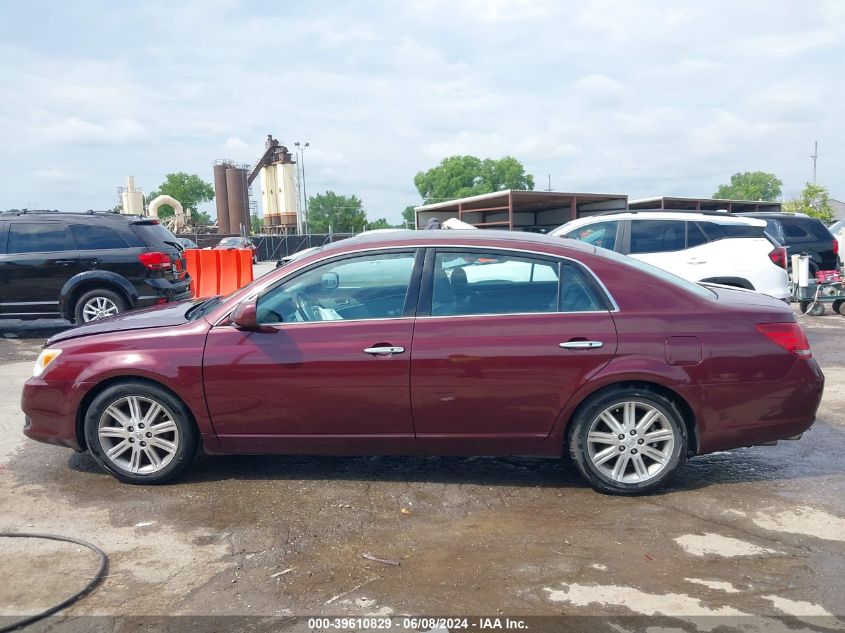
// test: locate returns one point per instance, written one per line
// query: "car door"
(502, 340)
(102, 247)
(39, 258)
(660, 243)
(332, 359)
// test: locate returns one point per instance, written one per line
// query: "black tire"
(107, 297)
(668, 418)
(812, 309)
(837, 305)
(185, 436)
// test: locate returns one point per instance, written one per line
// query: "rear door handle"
(384, 351)
(695, 260)
(65, 262)
(581, 344)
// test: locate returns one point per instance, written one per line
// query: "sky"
(639, 97)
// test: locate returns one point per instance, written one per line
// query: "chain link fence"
(272, 247)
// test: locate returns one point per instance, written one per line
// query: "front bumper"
(50, 412)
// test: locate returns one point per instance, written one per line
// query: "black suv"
(84, 266)
(800, 233)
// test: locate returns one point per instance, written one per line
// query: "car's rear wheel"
(99, 303)
(140, 433)
(628, 441)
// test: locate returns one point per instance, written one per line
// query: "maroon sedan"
(436, 342)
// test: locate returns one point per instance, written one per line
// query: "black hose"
(101, 572)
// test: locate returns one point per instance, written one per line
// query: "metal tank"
(221, 197)
(237, 195)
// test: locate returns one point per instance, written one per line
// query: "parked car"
(837, 229)
(187, 243)
(85, 266)
(232, 243)
(712, 248)
(287, 259)
(800, 233)
(436, 342)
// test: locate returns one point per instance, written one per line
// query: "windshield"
(689, 286)
(230, 241)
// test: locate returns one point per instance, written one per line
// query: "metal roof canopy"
(671, 203)
(522, 210)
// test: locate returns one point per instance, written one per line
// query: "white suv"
(701, 247)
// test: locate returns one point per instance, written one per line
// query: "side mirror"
(330, 281)
(245, 316)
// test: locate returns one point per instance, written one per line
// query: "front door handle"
(695, 260)
(384, 351)
(65, 262)
(581, 344)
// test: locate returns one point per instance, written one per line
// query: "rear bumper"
(747, 414)
(156, 289)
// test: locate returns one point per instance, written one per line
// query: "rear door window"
(37, 237)
(657, 236)
(89, 237)
(493, 283)
(695, 236)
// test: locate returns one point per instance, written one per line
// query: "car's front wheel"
(628, 441)
(140, 433)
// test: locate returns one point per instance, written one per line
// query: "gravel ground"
(756, 531)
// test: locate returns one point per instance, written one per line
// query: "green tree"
(461, 176)
(409, 218)
(751, 185)
(190, 190)
(344, 214)
(380, 223)
(814, 200)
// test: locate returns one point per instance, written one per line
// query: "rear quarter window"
(716, 231)
(155, 235)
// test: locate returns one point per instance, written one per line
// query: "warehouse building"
(536, 211)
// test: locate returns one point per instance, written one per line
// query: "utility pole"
(550, 183)
(815, 158)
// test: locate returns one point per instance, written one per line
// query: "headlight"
(46, 357)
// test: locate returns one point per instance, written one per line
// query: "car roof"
(777, 214)
(713, 218)
(472, 238)
(71, 216)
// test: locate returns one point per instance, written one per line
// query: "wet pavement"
(753, 531)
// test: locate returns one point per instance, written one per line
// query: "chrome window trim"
(615, 306)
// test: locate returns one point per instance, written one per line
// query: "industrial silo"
(238, 198)
(221, 197)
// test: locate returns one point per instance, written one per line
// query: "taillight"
(778, 256)
(835, 246)
(155, 260)
(789, 336)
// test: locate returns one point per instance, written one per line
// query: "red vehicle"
(436, 342)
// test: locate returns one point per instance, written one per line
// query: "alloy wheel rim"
(630, 442)
(98, 308)
(138, 435)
